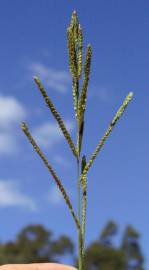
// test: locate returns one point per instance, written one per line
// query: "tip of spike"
(89, 46)
(74, 12)
(23, 125)
(35, 78)
(130, 95)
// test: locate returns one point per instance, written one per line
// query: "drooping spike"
(55, 177)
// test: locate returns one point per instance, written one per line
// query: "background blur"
(33, 42)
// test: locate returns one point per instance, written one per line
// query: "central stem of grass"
(79, 219)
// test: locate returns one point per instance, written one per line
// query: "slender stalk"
(79, 217)
(56, 115)
(79, 194)
(84, 197)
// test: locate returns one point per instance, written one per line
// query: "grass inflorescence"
(79, 93)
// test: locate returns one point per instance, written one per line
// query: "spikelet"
(80, 51)
(73, 67)
(56, 115)
(74, 24)
(72, 37)
(83, 95)
(75, 94)
(107, 133)
(88, 62)
(58, 182)
(72, 52)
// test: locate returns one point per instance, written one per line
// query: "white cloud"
(55, 196)
(8, 144)
(11, 112)
(11, 196)
(62, 161)
(102, 93)
(55, 79)
(49, 134)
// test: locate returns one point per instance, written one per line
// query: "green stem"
(79, 219)
(84, 190)
(78, 174)
(80, 243)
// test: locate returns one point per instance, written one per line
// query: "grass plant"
(79, 92)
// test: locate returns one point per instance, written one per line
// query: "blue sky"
(33, 42)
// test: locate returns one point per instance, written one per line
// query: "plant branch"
(83, 94)
(108, 131)
(56, 115)
(58, 182)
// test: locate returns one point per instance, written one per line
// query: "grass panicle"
(75, 55)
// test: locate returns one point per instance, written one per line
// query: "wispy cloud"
(100, 92)
(62, 161)
(7, 143)
(55, 196)
(11, 196)
(48, 134)
(56, 79)
(11, 113)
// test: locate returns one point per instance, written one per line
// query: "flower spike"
(58, 182)
(108, 131)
